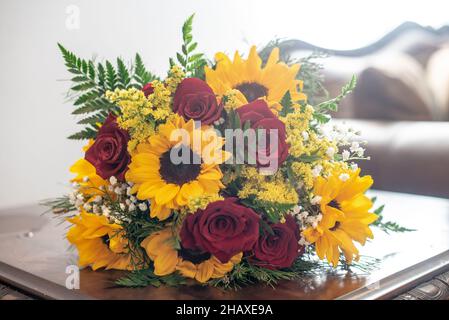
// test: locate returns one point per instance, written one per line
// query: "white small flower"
(106, 211)
(128, 191)
(117, 221)
(305, 135)
(118, 190)
(296, 209)
(87, 206)
(303, 242)
(345, 154)
(122, 206)
(110, 188)
(95, 208)
(112, 180)
(360, 151)
(316, 200)
(354, 166)
(86, 179)
(319, 217)
(143, 206)
(314, 224)
(354, 146)
(128, 202)
(317, 170)
(344, 177)
(98, 199)
(78, 203)
(330, 152)
(304, 214)
(79, 196)
(132, 207)
(133, 199)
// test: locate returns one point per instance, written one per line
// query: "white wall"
(34, 117)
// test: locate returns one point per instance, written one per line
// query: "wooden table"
(34, 258)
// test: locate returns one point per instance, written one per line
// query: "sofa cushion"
(393, 87)
(438, 80)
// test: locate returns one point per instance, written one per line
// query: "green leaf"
(111, 76)
(87, 133)
(287, 105)
(332, 105)
(321, 117)
(123, 74)
(145, 278)
(193, 63)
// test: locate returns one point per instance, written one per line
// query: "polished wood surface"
(35, 244)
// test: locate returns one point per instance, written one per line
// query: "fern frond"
(192, 63)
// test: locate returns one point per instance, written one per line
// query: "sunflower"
(201, 266)
(86, 176)
(167, 184)
(346, 215)
(252, 81)
(99, 242)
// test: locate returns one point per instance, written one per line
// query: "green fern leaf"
(123, 74)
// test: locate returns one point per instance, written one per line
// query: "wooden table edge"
(35, 286)
(402, 281)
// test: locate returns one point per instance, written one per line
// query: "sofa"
(400, 104)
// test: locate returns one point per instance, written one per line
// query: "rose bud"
(280, 249)
(224, 229)
(148, 89)
(194, 99)
(109, 153)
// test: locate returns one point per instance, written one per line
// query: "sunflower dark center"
(179, 165)
(334, 204)
(335, 227)
(194, 256)
(106, 239)
(252, 90)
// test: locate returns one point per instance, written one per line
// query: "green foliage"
(311, 74)
(193, 63)
(59, 205)
(287, 104)
(321, 110)
(144, 278)
(141, 75)
(246, 273)
(90, 83)
(274, 211)
(387, 226)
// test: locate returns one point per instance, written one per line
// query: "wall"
(35, 116)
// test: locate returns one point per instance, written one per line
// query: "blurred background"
(401, 103)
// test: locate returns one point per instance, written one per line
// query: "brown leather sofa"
(401, 105)
(407, 156)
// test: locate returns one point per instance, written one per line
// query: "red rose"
(109, 154)
(223, 229)
(280, 249)
(194, 99)
(260, 116)
(148, 89)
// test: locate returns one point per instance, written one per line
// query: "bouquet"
(223, 172)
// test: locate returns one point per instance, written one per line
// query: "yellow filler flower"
(254, 81)
(167, 184)
(346, 215)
